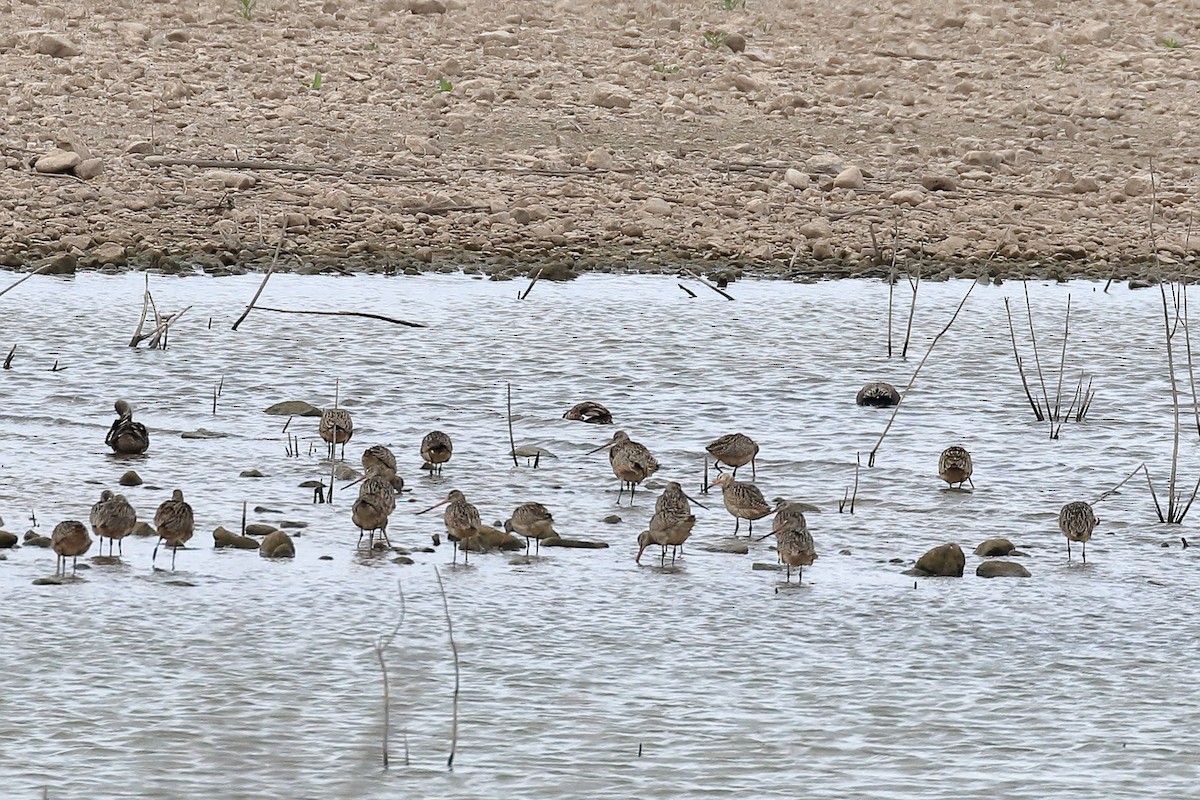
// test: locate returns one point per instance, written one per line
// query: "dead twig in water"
(24, 278)
(912, 311)
(916, 372)
(8, 359)
(716, 289)
(686, 289)
(1037, 359)
(852, 497)
(457, 683)
(344, 314)
(270, 270)
(532, 283)
(381, 644)
(1128, 477)
(1062, 364)
(511, 441)
(1037, 411)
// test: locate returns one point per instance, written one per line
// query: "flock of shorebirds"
(670, 526)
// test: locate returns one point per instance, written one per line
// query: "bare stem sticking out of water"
(686, 289)
(24, 278)
(1062, 364)
(1115, 489)
(457, 677)
(914, 284)
(217, 393)
(381, 644)
(916, 372)
(8, 359)
(715, 288)
(511, 441)
(852, 497)
(364, 314)
(270, 270)
(891, 298)
(532, 283)
(1037, 411)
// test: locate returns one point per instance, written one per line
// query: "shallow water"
(259, 679)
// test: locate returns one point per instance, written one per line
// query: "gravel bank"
(423, 134)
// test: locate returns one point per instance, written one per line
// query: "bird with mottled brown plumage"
(793, 542)
(126, 436)
(671, 524)
(1077, 521)
(436, 449)
(630, 461)
(589, 411)
(742, 499)
(955, 466)
(174, 523)
(336, 427)
(112, 518)
(534, 522)
(461, 519)
(734, 450)
(69, 540)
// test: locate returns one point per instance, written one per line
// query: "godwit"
(436, 449)
(877, 394)
(378, 454)
(174, 523)
(69, 540)
(587, 411)
(631, 462)
(955, 466)
(533, 521)
(734, 450)
(1077, 521)
(336, 428)
(742, 499)
(126, 436)
(793, 542)
(461, 518)
(671, 524)
(113, 519)
(375, 503)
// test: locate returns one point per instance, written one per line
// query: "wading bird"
(436, 449)
(631, 462)
(336, 428)
(587, 411)
(742, 499)
(174, 523)
(373, 506)
(1077, 521)
(534, 522)
(793, 542)
(126, 436)
(671, 524)
(733, 450)
(69, 540)
(461, 519)
(955, 466)
(112, 518)
(877, 394)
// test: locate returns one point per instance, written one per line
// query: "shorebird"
(631, 462)
(587, 411)
(533, 521)
(1077, 521)
(436, 449)
(336, 428)
(671, 524)
(461, 519)
(383, 460)
(877, 394)
(126, 436)
(955, 466)
(733, 450)
(375, 502)
(742, 499)
(69, 540)
(174, 523)
(793, 542)
(112, 518)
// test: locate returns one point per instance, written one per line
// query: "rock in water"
(1001, 569)
(7, 540)
(277, 545)
(946, 560)
(994, 547)
(293, 408)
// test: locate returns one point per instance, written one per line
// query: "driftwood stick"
(1128, 477)
(686, 289)
(1174, 407)
(8, 359)
(532, 283)
(454, 651)
(24, 278)
(916, 372)
(137, 334)
(715, 288)
(891, 298)
(263, 285)
(159, 334)
(343, 314)
(512, 443)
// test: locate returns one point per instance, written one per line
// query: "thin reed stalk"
(512, 443)
(457, 675)
(912, 311)
(1037, 359)
(24, 278)
(266, 277)
(1062, 364)
(1037, 411)
(381, 644)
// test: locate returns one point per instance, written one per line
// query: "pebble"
(89, 168)
(109, 253)
(849, 178)
(7, 540)
(57, 162)
(293, 408)
(1001, 569)
(657, 206)
(259, 529)
(796, 179)
(250, 473)
(55, 46)
(599, 158)
(735, 547)
(426, 7)
(130, 478)
(612, 519)
(735, 42)
(277, 544)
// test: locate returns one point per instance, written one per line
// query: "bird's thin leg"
(753, 471)
(1068, 549)
(74, 563)
(788, 579)
(751, 528)
(662, 559)
(386, 540)
(620, 492)
(120, 551)
(155, 553)
(1085, 551)
(704, 486)
(358, 544)
(174, 549)
(801, 578)
(737, 522)
(632, 489)
(970, 482)
(466, 552)
(735, 472)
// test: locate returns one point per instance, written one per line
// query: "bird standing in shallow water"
(126, 436)
(587, 411)
(112, 518)
(336, 428)
(436, 449)
(379, 456)
(69, 540)
(954, 466)
(630, 461)
(534, 522)
(461, 519)
(734, 450)
(793, 542)
(671, 524)
(374, 505)
(742, 499)
(1077, 521)
(174, 523)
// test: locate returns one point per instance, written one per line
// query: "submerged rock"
(250, 473)
(945, 560)
(293, 408)
(1001, 569)
(260, 529)
(736, 547)
(994, 547)
(130, 478)
(223, 537)
(34, 540)
(7, 540)
(144, 529)
(586, 544)
(277, 545)
(489, 538)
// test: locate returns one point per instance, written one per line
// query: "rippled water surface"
(258, 679)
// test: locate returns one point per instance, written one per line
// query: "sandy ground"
(398, 135)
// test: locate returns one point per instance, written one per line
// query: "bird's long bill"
(609, 443)
(641, 550)
(354, 482)
(717, 482)
(435, 505)
(688, 496)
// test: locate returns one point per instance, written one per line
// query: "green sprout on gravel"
(663, 68)
(1061, 66)
(730, 5)
(316, 81)
(714, 39)
(1172, 44)
(371, 46)
(246, 8)
(444, 85)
